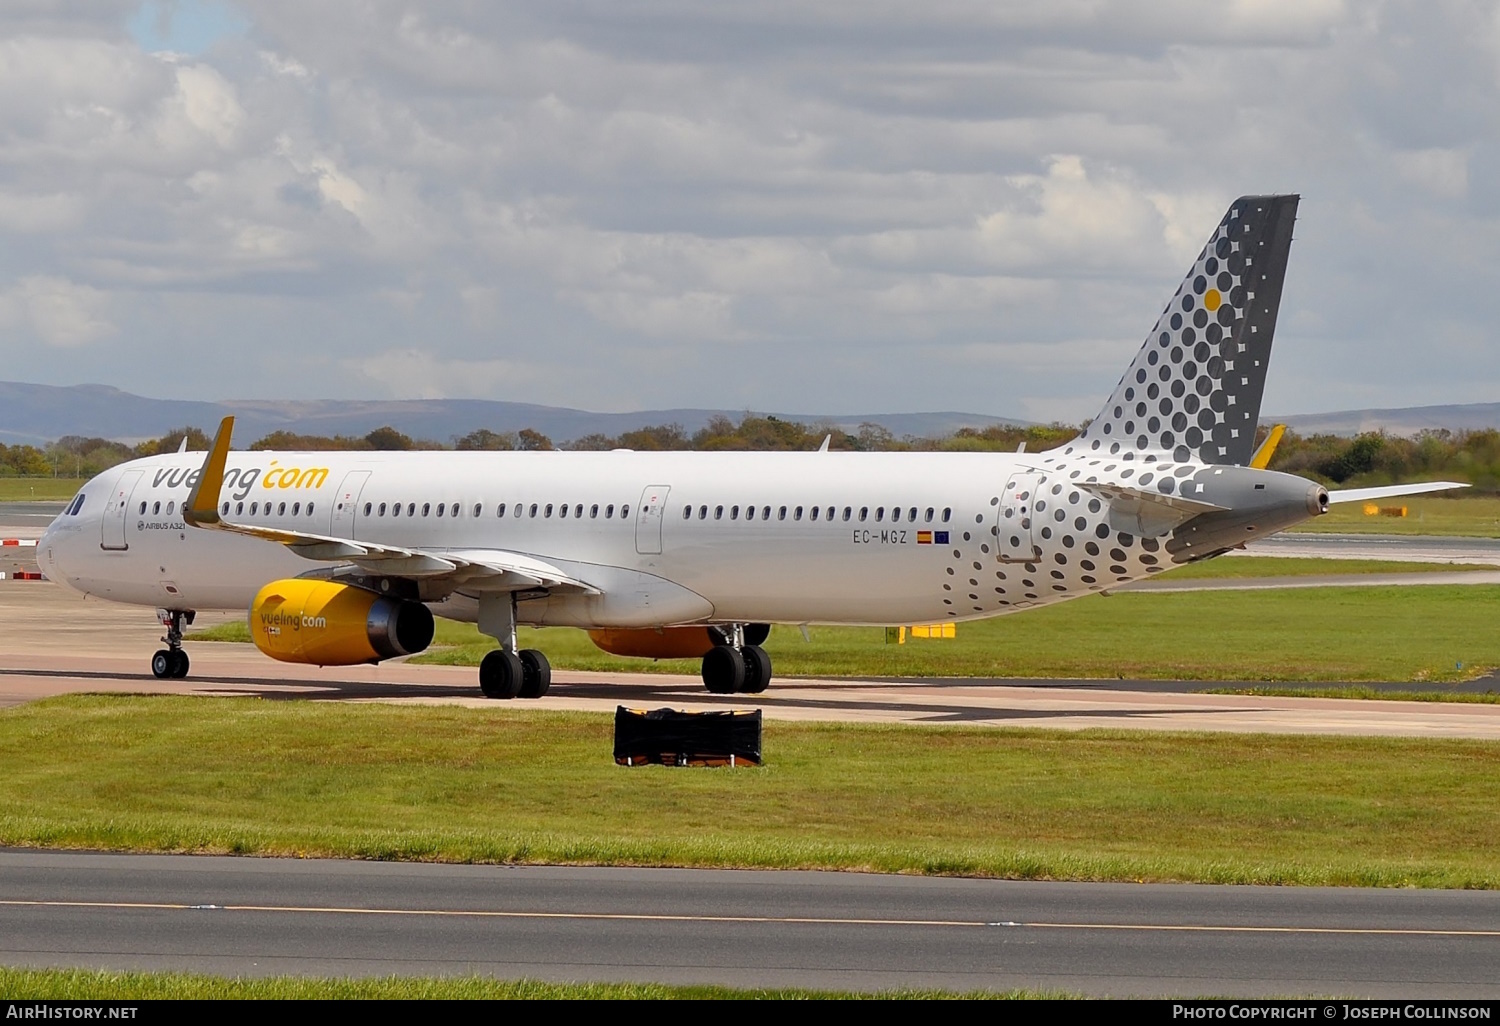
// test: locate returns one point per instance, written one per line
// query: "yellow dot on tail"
(1211, 300)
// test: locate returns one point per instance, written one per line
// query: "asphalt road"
(252, 917)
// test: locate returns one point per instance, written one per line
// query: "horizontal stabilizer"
(1391, 491)
(1147, 512)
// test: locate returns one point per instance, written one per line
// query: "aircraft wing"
(1391, 491)
(498, 569)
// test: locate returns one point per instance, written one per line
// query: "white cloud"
(61, 313)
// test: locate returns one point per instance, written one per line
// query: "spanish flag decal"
(924, 537)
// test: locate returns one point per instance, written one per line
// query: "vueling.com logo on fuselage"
(273, 477)
(274, 622)
(244, 478)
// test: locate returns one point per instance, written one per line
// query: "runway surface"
(56, 643)
(241, 916)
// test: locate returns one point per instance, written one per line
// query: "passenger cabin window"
(847, 513)
(813, 513)
(702, 512)
(563, 510)
(254, 508)
(156, 508)
(911, 514)
(548, 511)
(625, 511)
(382, 510)
(439, 510)
(781, 513)
(368, 507)
(749, 513)
(239, 508)
(225, 510)
(594, 511)
(609, 511)
(478, 509)
(578, 511)
(309, 509)
(765, 513)
(500, 510)
(718, 512)
(296, 508)
(879, 514)
(864, 511)
(396, 510)
(928, 515)
(947, 514)
(687, 512)
(143, 509)
(734, 512)
(533, 510)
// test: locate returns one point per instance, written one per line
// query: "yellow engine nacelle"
(332, 624)
(657, 642)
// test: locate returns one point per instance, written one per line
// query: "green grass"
(1475, 698)
(1385, 633)
(39, 489)
(1475, 516)
(104, 985)
(527, 786)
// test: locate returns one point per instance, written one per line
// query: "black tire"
(536, 673)
(500, 675)
(757, 633)
(757, 669)
(723, 670)
(180, 664)
(162, 664)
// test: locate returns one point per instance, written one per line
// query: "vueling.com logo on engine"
(274, 622)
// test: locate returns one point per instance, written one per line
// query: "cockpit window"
(77, 505)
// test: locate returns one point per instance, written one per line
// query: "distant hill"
(1408, 421)
(36, 414)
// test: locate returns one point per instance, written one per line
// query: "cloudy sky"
(832, 207)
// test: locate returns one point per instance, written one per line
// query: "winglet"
(202, 506)
(1262, 457)
(826, 440)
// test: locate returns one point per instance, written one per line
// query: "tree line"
(1368, 459)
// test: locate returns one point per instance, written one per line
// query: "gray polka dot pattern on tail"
(1194, 389)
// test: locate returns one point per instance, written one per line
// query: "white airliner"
(343, 558)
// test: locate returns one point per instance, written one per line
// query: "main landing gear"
(508, 673)
(511, 674)
(738, 665)
(172, 662)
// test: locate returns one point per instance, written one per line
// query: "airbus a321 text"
(344, 557)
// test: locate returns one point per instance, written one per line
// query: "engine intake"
(331, 624)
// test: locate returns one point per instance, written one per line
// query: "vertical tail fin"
(1195, 387)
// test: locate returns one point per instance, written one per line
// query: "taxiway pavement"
(255, 917)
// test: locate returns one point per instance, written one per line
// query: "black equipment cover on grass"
(671, 738)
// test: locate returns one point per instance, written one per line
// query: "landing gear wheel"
(172, 662)
(500, 675)
(757, 669)
(536, 673)
(723, 670)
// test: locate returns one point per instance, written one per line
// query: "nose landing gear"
(172, 662)
(738, 665)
